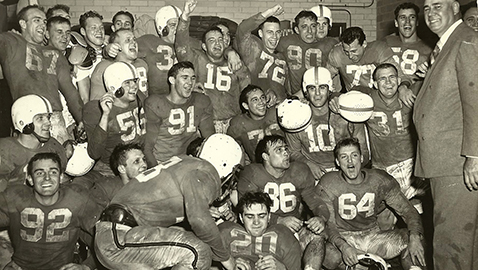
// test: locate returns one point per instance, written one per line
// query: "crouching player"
(256, 245)
(353, 196)
(134, 231)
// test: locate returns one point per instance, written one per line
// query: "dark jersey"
(181, 188)
(277, 240)
(248, 132)
(268, 70)
(44, 237)
(171, 127)
(301, 56)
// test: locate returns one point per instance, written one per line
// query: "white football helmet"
(118, 72)
(164, 14)
(80, 162)
(372, 260)
(223, 152)
(317, 76)
(25, 108)
(293, 115)
(322, 11)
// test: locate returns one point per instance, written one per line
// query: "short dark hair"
(118, 156)
(87, 15)
(43, 156)
(245, 95)
(270, 19)
(174, 70)
(383, 66)
(465, 8)
(49, 12)
(22, 14)
(123, 12)
(56, 20)
(351, 34)
(406, 5)
(210, 29)
(263, 145)
(349, 141)
(251, 198)
(115, 35)
(305, 14)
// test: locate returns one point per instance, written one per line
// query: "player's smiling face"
(135, 163)
(59, 35)
(322, 27)
(122, 21)
(129, 46)
(130, 88)
(440, 14)
(307, 30)
(214, 45)
(256, 104)
(354, 51)
(45, 178)
(270, 35)
(279, 155)
(317, 94)
(94, 32)
(255, 219)
(350, 160)
(387, 82)
(42, 125)
(184, 82)
(471, 18)
(34, 28)
(226, 34)
(407, 22)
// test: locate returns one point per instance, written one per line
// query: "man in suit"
(445, 116)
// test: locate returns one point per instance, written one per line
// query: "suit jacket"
(446, 108)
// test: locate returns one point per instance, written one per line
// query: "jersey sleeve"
(153, 124)
(69, 91)
(293, 254)
(359, 132)
(332, 63)
(246, 182)
(96, 135)
(206, 124)
(295, 146)
(247, 43)
(4, 217)
(184, 52)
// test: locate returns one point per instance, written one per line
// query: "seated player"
(118, 117)
(255, 121)
(45, 218)
(314, 145)
(173, 120)
(353, 196)
(135, 230)
(31, 118)
(257, 244)
(288, 185)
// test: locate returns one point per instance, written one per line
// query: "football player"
(304, 49)
(222, 85)
(409, 50)
(257, 244)
(31, 118)
(31, 68)
(470, 15)
(267, 66)
(255, 121)
(122, 19)
(59, 10)
(135, 229)
(173, 120)
(353, 196)
(45, 218)
(315, 144)
(129, 54)
(118, 117)
(288, 185)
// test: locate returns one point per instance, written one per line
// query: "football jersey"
(354, 207)
(101, 189)
(317, 142)
(392, 137)
(221, 84)
(125, 125)
(45, 237)
(40, 70)
(277, 240)
(181, 188)
(286, 192)
(360, 73)
(301, 56)
(14, 157)
(408, 55)
(171, 127)
(268, 70)
(98, 89)
(248, 132)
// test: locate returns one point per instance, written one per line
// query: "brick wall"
(353, 12)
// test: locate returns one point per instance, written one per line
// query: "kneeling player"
(353, 196)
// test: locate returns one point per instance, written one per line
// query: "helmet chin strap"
(40, 138)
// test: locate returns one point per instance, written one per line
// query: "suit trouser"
(455, 218)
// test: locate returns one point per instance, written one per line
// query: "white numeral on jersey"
(409, 60)
(242, 243)
(223, 81)
(143, 79)
(319, 132)
(358, 71)
(347, 209)
(177, 117)
(169, 58)
(277, 192)
(34, 218)
(294, 52)
(128, 120)
(278, 74)
(385, 129)
(156, 170)
(34, 61)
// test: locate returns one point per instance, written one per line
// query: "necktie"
(434, 54)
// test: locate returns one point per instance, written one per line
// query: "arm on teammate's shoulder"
(69, 91)
(153, 124)
(206, 124)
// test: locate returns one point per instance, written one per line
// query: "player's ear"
(240, 217)
(265, 156)
(30, 180)
(364, 43)
(203, 46)
(171, 80)
(361, 158)
(121, 168)
(337, 162)
(82, 31)
(375, 84)
(399, 80)
(396, 23)
(245, 105)
(296, 30)
(23, 24)
(113, 28)
(47, 34)
(260, 33)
